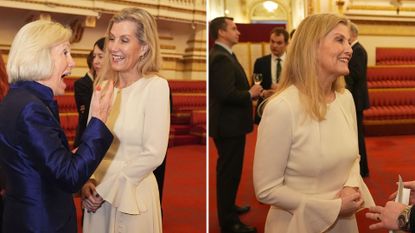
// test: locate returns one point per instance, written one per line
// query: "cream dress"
(301, 164)
(125, 177)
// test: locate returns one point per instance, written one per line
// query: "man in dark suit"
(357, 84)
(83, 94)
(230, 119)
(270, 66)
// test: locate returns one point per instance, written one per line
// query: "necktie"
(278, 69)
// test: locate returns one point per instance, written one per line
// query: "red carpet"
(388, 157)
(184, 201)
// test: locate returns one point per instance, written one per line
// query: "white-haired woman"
(122, 196)
(41, 171)
(306, 164)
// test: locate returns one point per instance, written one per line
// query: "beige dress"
(125, 177)
(301, 164)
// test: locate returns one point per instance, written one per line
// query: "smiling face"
(63, 64)
(123, 46)
(334, 53)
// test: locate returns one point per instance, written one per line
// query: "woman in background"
(83, 87)
(122, 195)
(306, 164)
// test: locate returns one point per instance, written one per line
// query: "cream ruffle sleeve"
(354, 179)
(309, 214)
(120, 189)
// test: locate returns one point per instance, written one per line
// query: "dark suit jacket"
(263, 65)
(41, 172)
(83, 94)
(356, 80)
(230, 105)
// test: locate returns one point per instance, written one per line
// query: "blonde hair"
(147, 35)
(300, 66)
(30, 53)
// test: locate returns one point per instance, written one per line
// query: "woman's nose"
(71, 62)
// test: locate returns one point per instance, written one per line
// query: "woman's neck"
(329, 94)
(126, 79)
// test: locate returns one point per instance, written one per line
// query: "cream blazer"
(301, 164)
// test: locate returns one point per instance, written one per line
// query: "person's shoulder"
(291, 92)
(345, 96)
(358, 47)
(345, 93)
(82, 80)
(290, 95)
(156, 80)
(264, 58)
(218, 50)
(22, 99)
(220, 59)
(286, 103)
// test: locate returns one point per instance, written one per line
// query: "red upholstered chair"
(395, 56)
(190, 86)
(66, 103)
(198, 121)
(392, 112)
(391, 76)
(69, 81)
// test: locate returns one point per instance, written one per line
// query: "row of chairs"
(188, 118)
(391, 86)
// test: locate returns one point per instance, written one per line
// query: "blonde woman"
(122, 196)
(41, 171)
(306, 164)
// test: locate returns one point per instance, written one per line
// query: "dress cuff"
(314, 215)
(121, 194)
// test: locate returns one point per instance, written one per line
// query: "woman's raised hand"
(101, 101)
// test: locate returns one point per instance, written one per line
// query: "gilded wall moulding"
(193, 11)
(380, 8)
(385, 28)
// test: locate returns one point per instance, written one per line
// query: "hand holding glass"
(257, 77)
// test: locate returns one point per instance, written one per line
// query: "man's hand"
(255, 91)
(386, 217)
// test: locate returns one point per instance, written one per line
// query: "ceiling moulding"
(176, 10)
(384, 19)
(385, 10)
(381, 27)
(49, 6)
(381, 8)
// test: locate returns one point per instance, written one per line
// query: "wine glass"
(257, 77)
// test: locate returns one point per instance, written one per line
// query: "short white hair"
(30, 53)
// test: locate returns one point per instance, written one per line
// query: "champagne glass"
(257, 77)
